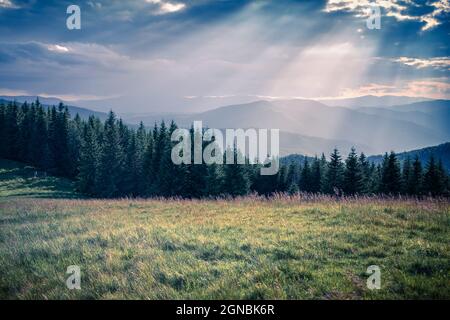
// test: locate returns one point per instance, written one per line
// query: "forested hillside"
(48, 103)
(441, 152)
(108, 159)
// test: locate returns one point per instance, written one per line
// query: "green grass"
(19, 180)
(287, 248)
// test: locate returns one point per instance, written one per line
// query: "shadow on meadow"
(18, 180)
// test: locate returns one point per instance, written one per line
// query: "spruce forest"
(111, 160)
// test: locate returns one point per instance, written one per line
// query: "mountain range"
(311, 127)
(371, 101)
(441, 152)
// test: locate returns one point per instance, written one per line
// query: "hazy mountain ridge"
(44, 100)
(441, 152)
(434, 115)
(372, 132)
(311, 127)
(371, 101)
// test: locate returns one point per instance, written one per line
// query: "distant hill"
(44, 100)
(49, 102)
(295, 159)
(371, 101)
(294, 143)
(434, 115)
(319, 127)
(441, 151)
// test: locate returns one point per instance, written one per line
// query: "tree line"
(110, 159)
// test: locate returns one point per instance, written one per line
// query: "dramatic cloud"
(437, 88)
(167, 7)
(436, 63)
(397, 9)
(57, 48)
(8, 4)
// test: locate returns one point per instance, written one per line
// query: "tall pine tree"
(391, 180)
(335, 174)
(353, 176)
(111, 160)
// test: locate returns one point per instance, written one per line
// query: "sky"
(146, 56)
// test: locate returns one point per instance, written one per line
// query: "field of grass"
(285, 248)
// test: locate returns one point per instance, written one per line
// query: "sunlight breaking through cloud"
(167, 7)
(236, 53)
(58, 48)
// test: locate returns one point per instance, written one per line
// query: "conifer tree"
(25, 130)
(214, 181)
(316, 176)
(11, 131)
(415, 182)
(236, 181)
(282, 184)
(292, 179)
(40, 152)
(391, 181)
(305, 177)
(262, 184)
(367, 174)
(443, 178)
(172, 176)
(58, 135)
(130, 169)
(353, 176)
(406, 175)
(148, 171)
(53, 129)
(74, 145)
(195, 175)
(214, 174)
(111, 160)
(141, 143)
(433, 182)
(89, 159)
(334, 175)
(158, 151)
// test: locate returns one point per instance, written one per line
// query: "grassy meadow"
(19, 180)
(284, 248)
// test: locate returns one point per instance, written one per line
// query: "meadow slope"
(284, 248)
(252, 249)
